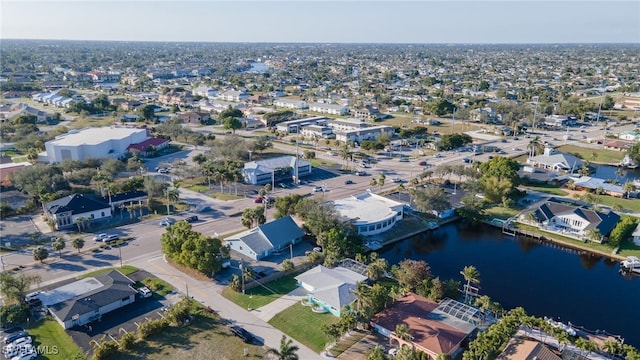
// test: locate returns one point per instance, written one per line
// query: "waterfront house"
(571, 220)
(555, 161)
(433, 328)
(370, 213)
(521, 349)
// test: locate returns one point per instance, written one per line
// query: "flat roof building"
(98, 143)
(370, 213)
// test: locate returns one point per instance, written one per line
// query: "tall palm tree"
(628, 187)
(535, 146)
(593, 234)
(402, 332)
(287, 350)
(471, 275)
(363, 303)
(611, 346)
(345, 154)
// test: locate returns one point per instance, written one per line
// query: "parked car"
(258, 200)
(16, 329)
(360, 173)
(243, 334)
(29, 298)
(100, 237)
(144, 292)
(190, 219)
(112, 237)
(15, 336)
(422, 163)
(397, 180)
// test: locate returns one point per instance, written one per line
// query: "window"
(103, 214)
(125, 299)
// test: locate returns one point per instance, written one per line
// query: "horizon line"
(324, 42)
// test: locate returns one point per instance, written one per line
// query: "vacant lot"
(302, 324)
(206, 338)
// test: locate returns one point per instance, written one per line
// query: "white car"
(318, 189)
(100, 237)
(32, 296)
(167, 222)
(144, 292)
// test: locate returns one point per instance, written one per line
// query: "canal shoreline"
(415, 226)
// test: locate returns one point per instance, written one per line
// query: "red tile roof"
(142, 146)
(429, 334)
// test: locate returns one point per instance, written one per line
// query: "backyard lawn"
(302, 324)
(500, 212)
(548, 189)
(261, 295)
(627, 204)
(51, 340)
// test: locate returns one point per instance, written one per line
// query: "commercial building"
(98, 143)
(370, 213)
(281, 168)
(87, 300)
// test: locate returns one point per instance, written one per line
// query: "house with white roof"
(275, 169)
(291, 103)
(234, 95)
(295, 126)
(370, 213)
(552, 160)
(333, 109)
(97, 143)
(330, 289)
(262, 241)
(369, 133)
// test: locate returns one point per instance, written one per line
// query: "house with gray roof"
(262, 241)
(87, 300)
(555, 161)
(275, 169)
(574, 221)
(330, 289)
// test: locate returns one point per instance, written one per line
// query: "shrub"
(105, 350)
(151, 327)
(127, 341)
(287, 265)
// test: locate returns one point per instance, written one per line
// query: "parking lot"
(18, 231)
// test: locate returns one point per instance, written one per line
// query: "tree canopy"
(192, 249)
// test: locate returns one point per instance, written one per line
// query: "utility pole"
(167, 201)
(242, 273)
(291, 250)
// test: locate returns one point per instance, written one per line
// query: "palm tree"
(535, 146)
(58, 245)
(287, 350)
(345, 154)
(363, 303)
(611, 346)
(471, 275)
(593, 234)
(628, 187)
(402, 332)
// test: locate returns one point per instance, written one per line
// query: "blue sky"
(473, 21)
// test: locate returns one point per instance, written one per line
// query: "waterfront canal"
(546, 280)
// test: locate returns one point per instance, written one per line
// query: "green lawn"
(628, 204)
(125, 270)
(262, 295)
(344, 344)
(198, 188)
(500, 212)
(547, 188)
(225, 197)
(158, 286)
(50, 338)
(304, 325)
(593, 155)
(321, 162)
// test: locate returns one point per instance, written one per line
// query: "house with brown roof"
(194, 118)
(434, 328)
(147, 147)
(520, 349)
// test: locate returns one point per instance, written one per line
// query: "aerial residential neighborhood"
(283, 196)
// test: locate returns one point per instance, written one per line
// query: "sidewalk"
(271, 309)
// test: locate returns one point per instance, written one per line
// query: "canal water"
(546, 280)
(613, 172)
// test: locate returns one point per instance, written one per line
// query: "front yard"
(262, 295)
(304, 325)
(601, 156)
